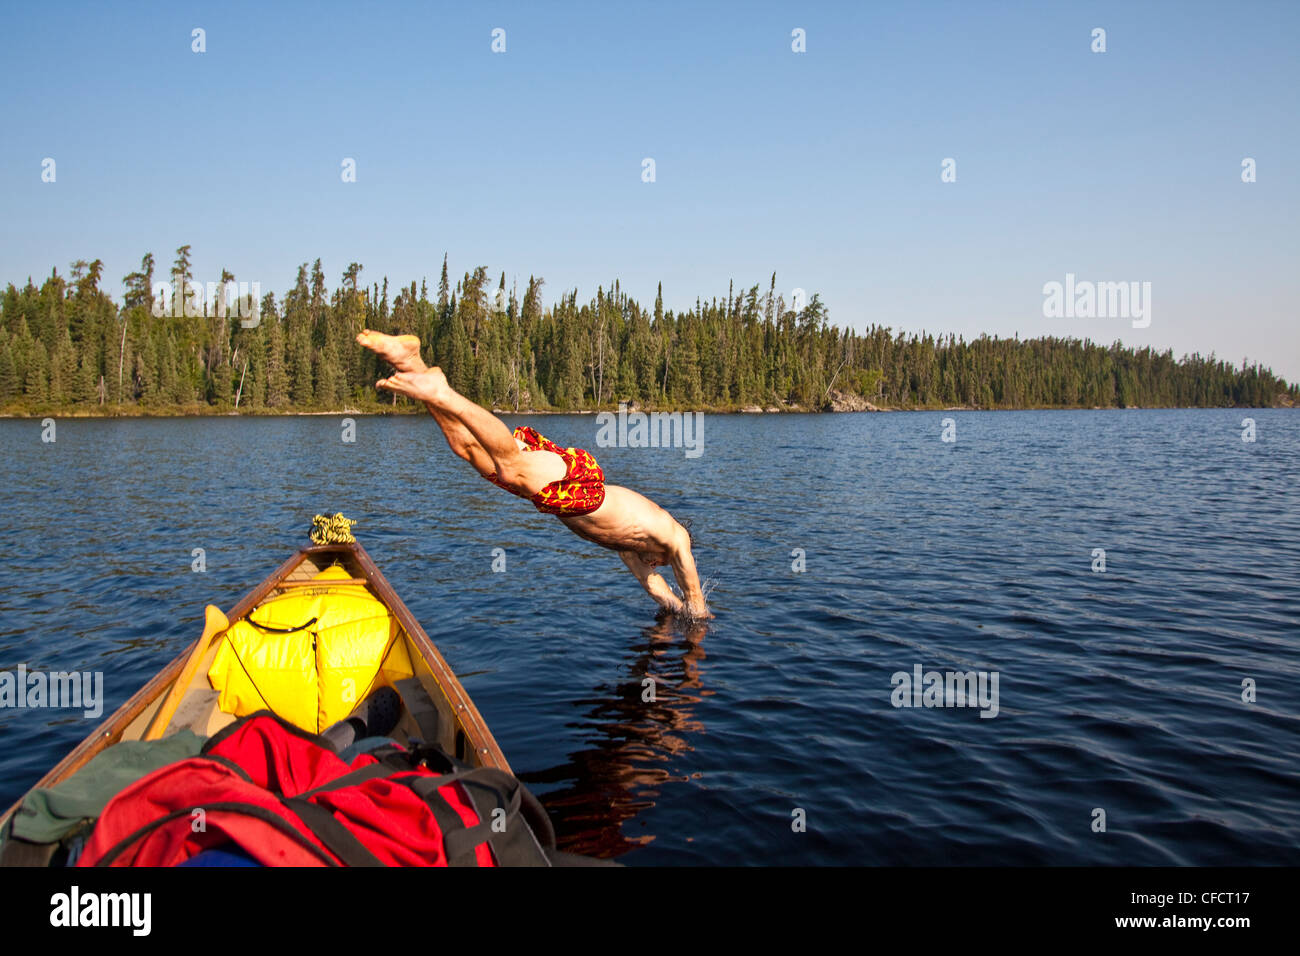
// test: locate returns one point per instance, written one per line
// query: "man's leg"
(493, 444)
(403, 353)
(529, 472)
(462, 441)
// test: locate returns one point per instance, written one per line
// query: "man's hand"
(688, 579)
(698, 611)
(653, 582)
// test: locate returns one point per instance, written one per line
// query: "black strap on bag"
(504, 807)
(337, 838)
(259, 813)
(435, 758)
(280, 630)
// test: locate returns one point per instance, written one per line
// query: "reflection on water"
(634, 727)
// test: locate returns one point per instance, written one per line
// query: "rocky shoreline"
(836, 402)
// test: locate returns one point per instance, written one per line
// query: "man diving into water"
(565, 482)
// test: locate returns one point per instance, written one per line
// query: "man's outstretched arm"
(688, 579)
(652, 581)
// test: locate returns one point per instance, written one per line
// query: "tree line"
(67, 345)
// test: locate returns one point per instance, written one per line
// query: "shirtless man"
(565, 482)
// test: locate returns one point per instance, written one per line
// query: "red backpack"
(287, 799)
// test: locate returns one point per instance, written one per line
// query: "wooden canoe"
(180, 696)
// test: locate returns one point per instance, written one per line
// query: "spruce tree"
(277, 382)
(301, 387)
(86, 390)
(444, 289)
(9, 384)
(36, 384)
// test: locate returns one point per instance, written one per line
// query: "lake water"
(1119, 690)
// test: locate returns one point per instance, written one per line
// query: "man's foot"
(429, 385)
(402, 352)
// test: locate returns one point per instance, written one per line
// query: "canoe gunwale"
(482, 745)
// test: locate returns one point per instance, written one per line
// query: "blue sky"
(822, 166)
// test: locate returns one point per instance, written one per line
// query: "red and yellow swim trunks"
(581, 490)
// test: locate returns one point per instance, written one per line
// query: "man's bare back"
(564, 482)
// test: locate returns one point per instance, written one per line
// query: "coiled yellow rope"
(335, 529)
